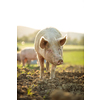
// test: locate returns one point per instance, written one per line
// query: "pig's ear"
(62, 40)
(43, 42)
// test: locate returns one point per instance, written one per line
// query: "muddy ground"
(31, 87)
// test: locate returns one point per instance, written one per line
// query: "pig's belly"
(30, 57)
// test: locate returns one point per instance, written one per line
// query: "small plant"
(19, 65)
(44, 97)
(48, 91)
(33, 71)
(23, 72)
(29, 91)
(18, 74)
(34, 85)
(29, 73)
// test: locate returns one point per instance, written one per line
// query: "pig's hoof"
(40, 77)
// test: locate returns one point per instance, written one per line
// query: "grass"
(72, 58)
(73, 47)
(25, 45)
(29, 91)
(19, 65)
(72, 55)
(69, 57)
(31, 66)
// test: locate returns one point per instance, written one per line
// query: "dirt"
(31, 87)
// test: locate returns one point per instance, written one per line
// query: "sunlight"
(63, 15)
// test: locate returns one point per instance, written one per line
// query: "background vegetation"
(29, 39)
(72, 54)
(73, 50)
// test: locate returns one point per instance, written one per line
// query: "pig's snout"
(60, 61)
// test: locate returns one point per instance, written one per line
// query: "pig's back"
(28, 53)
(48, 34)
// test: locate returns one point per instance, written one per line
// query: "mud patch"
(31, 87)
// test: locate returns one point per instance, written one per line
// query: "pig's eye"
(59, 49)
(49, 50)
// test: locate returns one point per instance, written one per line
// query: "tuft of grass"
(28, 73)
(48, 91)
(19, 65)
(29, 91)
(44, 97)
(18, 74)
(23, 72)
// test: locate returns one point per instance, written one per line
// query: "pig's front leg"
(41, 62)
(47, 65)
(23, 61)
(52, 74)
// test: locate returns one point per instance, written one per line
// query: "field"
(72, 55)
(65, 47)
(69, 76)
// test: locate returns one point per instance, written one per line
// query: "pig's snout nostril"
(60, 61)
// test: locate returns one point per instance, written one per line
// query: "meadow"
(72, 54)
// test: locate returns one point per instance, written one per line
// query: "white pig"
(49, 46)
(27, 55)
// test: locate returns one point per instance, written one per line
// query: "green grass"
(73, 47)
(31, 66)
(25, 45)
(19, 65)
(72, 54)
(29, 91)
(73, 57)
(69, 58)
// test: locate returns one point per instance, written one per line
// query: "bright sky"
(65, 15)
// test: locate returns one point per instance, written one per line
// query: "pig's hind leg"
(47, 66)
(41, 62)
(23, 62)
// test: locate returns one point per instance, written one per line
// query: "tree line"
(75, 41)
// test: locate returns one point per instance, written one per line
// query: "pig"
(28, 54)
(49, 46)
(18, 57)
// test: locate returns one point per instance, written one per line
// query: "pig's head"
(53, 49)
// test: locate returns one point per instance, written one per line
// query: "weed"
(29, 91)
(44, 97)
